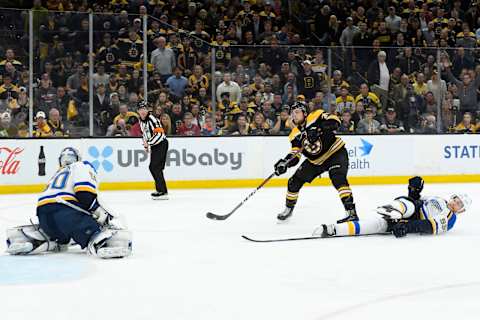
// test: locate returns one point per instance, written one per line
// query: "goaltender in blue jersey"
(411, 214)
(68, 209)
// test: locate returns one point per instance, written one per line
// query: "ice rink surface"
(185, 266)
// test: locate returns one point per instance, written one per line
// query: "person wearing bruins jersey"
(131, 48)
(314, 137)
(222, 50)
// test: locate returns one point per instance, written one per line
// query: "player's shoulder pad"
(88, 165)
(293, 134)
(312, 117)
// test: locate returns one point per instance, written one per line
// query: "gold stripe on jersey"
(293, 134)
(54, 200)
(85, 188)
(312, 117)
(434, 225)
(337, 145)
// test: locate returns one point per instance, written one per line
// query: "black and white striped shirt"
(152, 130)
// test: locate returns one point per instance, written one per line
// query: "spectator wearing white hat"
(7, 129)
(42, 129)
(378, 76)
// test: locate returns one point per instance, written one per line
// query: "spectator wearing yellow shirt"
(197, 80)
(420, 86)
(124, 114)
(345, 101)
(466, 126)
(368, 98)
(42, 129)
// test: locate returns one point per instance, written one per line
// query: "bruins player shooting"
(314, 137)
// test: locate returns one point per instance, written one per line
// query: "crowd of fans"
(381, 66)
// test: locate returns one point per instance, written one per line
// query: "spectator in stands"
(347, 126)
(188, 128)
(10, 57)
(55, 123)
(427, 125)
(468, 87)
(197, 80)
(461, 61)
(74, 81)
(283, 125)
(430, 106)
(392, 20)
(408, 63)
(391, 124)
(101, 100)
(344, 101)
(437, 86)
(230, 87)
(45, 94)
(42, 129)
(7, 128)
(209, 128)
(259, 126)
(466, 126)
(379, 77)
(166, 123)
(368, 125)
(420, 86)
(368, 98)
(177, 84)
(163, 59)
(100, 76)
(8, 90)
(241, 126)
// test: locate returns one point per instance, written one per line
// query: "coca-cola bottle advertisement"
(41, 162)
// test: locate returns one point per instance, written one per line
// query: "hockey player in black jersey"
(314, 137)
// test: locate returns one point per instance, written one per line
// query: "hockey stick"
(214, 216)
(310, 238)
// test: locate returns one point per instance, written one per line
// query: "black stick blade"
(214, 216)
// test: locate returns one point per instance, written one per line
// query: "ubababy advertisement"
(29, 162)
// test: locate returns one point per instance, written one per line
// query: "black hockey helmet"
(299, 105)
(142, 104)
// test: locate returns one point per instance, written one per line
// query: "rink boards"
(216, 162)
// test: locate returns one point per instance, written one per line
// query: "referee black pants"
(158, 155)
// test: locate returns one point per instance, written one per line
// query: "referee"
(155, 142)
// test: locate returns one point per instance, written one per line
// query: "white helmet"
(68, 156)
(466, 200)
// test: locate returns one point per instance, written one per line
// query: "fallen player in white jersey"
(68, 209)
(412, 214)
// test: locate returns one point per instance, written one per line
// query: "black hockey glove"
(401, 229)
(281, 166)
(313, 134)
(415, 187)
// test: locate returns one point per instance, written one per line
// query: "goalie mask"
(68, 156)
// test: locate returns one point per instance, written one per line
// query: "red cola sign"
(9, 164)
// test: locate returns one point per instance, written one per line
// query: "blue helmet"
(68, 156)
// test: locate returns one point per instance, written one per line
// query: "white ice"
(185, 266)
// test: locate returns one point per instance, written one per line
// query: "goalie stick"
(308, 238)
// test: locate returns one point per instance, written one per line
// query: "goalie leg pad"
(28, 239)
(111, 243)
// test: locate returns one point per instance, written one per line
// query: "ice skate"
(285, 214)
(351, 216)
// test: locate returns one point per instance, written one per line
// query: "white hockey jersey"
(67, 181)
(435, 210)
